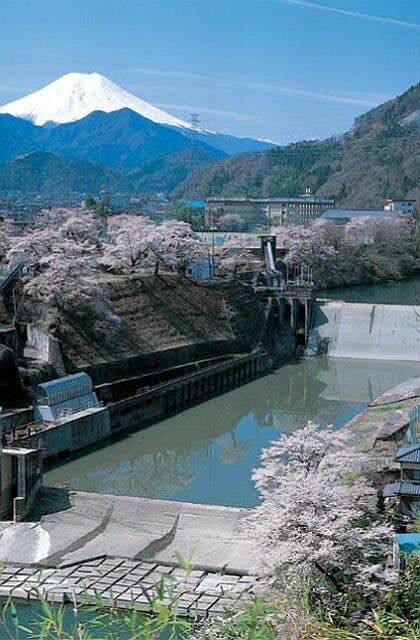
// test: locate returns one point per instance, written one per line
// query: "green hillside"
(378, 158)
(45, 172)
(167, 172)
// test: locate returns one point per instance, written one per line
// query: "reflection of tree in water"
(150, 475)
(232, 450)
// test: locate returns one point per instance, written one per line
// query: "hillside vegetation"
(45, 172)
(123, 151)
(378, 158)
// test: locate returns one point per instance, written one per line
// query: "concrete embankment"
(91, 426)
(119, 547)
(366, 331)
(384, 424)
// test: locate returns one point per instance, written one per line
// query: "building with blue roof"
(405, 544)
(407, 489)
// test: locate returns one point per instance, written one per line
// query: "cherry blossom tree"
(126, 248)
(306, 245)
(232, 259)
(364, 250)
(318, 514)
(176, 246)
(61, 251)
(231, 221)
(57, 233)
(65, 282)
(135, 243)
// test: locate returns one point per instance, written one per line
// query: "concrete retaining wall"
(367, 331)
(173, 397)
(21, 479)
(73, 433)
(166, 358)
(16, 418)
(46, 347)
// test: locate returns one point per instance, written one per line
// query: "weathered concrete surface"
(403, 391)
(367, 331)
(73, 527)
(128, 584)
(384, 423)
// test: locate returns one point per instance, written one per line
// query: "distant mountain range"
(84, 133)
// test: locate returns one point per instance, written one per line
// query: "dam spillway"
(366, 331)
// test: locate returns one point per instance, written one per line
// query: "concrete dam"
(365, 331)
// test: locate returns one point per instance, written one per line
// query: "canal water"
(405, 292)
(207, 453)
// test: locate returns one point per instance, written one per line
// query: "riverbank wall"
(384, 424)
(91, 427)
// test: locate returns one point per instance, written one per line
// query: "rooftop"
(407, 488)
(408, 453)
(408, 542)
(333, 214)
(303, 199)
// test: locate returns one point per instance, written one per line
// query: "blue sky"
(278, 69)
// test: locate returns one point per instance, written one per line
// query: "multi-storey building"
(402, 205)
(249, 213)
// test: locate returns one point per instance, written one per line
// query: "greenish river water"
(404, 292)
(207, 453)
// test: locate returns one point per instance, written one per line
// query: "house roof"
(408, 453)
(408, 542)
(333, 214)
(389, 490)
(407, 488)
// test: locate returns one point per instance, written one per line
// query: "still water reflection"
(207, 454)
(404, 292)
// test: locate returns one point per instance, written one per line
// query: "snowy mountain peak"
(75, 95)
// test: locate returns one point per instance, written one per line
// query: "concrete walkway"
(71, 527)
(79, 544)
(128, 584)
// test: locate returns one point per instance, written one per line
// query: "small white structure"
(402, 205)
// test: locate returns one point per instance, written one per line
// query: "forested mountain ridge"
(45, 172)
(378, 158)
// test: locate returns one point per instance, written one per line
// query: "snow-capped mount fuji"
(76, 95)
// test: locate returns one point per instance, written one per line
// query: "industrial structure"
(249, 213)
(400, 205)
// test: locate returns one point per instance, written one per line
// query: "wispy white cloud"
(352, 14)
(357, 99)
(313, 95)
(233, 115)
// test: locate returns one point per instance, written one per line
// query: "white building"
(400, 205)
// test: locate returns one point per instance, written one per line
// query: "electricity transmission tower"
(195, 126)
